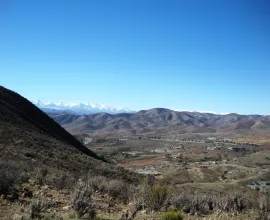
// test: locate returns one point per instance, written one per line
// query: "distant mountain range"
(161, 121)
(78, 108)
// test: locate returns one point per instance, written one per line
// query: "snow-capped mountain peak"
(79, 108)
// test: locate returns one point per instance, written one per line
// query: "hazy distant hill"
(79, 108)
(160, 120)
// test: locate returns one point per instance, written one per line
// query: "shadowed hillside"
(36, 153)
(18, 111)
(29, 140)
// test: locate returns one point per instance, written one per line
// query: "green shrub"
(206, 159)
(158, 195)
(153, 196)
(172, 215)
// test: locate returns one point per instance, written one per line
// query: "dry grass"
(141, 163)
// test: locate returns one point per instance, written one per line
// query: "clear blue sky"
(191, 55)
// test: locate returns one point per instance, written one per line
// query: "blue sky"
(191, 55)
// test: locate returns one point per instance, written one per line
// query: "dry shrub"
(114, 188)
(118, 189)
(135, 206)
(41, 174)
(63, 181)
(81, 200)
(98, 183)
(208, 202)
(10, 176)
(235, 201)
(264, 206)
(41, 205)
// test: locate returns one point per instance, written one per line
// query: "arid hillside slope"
(160, 121)
(30, 140)
(17, 112)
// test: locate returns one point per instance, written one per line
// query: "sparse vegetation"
(63, 180)
(81, 200)
(10, 177)
(153, 196)
(233, 201)
(172, 214)
(39, 170)
(264, 206)
(114, 188)
(39, 206)
(157, 196)
(41, 175)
